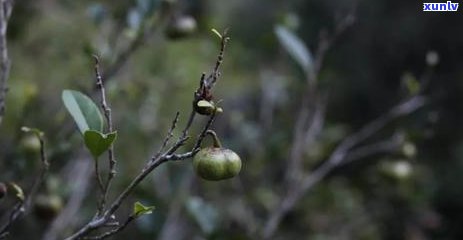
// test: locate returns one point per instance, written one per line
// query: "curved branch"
(339, 155)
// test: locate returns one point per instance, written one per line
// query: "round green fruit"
(216, 163)
(30, 144)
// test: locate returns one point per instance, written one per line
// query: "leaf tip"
(216, 33)
(140, 209)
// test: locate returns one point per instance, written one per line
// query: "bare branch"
(339, 155)
(111, 158)
(368, 130)
(310, 118)
(115, 230)
(212, 79)
(385, 146)
(170, 134)
(23, 205)
(304, 136)
(169, 155)
(100, 185)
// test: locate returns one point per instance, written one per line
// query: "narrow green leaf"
(18, 190)
(97, 143)
(295, 48)
(217, 33)
(83, 110)
(140, 209)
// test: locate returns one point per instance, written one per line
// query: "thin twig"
(212, 79)
(17, 211)
(120, 60)
(204, 131)
(157, 159)
(23, 205)
(385, 146)
(113, 231)
(309, 124)
(100, 183)
(336, 158)
(108, 116)
(170, 134)
(98, 222)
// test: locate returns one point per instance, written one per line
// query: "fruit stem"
(217, 143)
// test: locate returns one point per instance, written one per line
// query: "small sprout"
(204, 107)
(217, 33)
(140, 209)
(18, 190)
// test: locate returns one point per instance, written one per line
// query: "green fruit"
(30, 144)
(216, 163)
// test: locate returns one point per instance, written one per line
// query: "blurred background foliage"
(395, 196)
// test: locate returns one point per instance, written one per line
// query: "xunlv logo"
(440, 7)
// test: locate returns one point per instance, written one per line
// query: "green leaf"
(83, 110)
(97, 142)
(203, 213)
(140, 209)
(295, 48)
(18, 190)
(217, 33)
